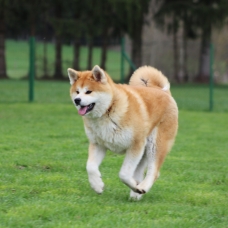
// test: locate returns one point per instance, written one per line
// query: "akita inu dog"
(139, 119)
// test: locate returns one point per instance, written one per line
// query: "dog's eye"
(77, 92)
(88, 92)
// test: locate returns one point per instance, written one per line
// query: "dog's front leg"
(96, 155)
(131, 161)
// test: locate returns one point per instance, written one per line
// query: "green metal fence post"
(122, 60)
(132, 65)
(211, 102)
(31, 67)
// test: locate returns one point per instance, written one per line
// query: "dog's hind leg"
(151, 174)
(158, 145)
(139, 176)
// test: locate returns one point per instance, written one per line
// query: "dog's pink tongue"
(82, 111)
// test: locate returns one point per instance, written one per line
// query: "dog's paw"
(96, 183)
(140, 189)
(135, 196)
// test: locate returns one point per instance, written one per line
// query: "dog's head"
(90, 91)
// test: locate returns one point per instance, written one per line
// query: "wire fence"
(189, 97)
(194, 97)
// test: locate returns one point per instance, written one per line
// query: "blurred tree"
(177, 18)
(129, 16)
(58, 28)
(196, 15)
(208, 13)
(94, 21)
(75, 28)
(22, 19)
(2, 39)
(37, 17)
(44, 32)
(91, 17)
(107, 25)
(137, 10)
(34, 9)
(77, 15)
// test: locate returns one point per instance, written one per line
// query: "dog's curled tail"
(150, 77)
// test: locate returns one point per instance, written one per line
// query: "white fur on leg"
(96, 155)
(128, 168)
(138, 176)
(95, 178)
(147, 183)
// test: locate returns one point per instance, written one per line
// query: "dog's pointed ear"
(99, 74)
(73, 75)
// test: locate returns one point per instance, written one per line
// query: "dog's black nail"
(140, 191)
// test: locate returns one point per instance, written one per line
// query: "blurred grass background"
(17, 58)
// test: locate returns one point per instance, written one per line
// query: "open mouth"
(85, 109)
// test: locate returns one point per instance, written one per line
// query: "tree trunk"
(58, 43)
(76, 54)
(136, 52)
(45, 62)
(185, 62)
(104, 49)
(204, 61)
(58, 58)
(90, 54)
(45, 45)
(32, 25)
(181, 53)
(2, 43)
(175, 56)
(136, 48)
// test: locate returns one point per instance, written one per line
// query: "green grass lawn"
(196, 97)
(43, 180)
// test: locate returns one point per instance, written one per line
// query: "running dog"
(139, 120)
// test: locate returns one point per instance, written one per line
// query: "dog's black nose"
(77, 101)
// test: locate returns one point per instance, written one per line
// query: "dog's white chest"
(110, 135)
